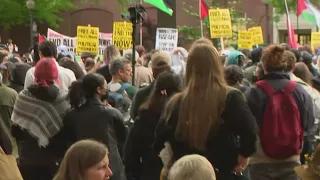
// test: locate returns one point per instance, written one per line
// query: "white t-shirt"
(65, 76)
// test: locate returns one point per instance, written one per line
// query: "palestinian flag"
(163, 5)
(204, 10)
(291, 34)
(308, 12)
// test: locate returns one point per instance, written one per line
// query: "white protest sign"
(60, 39)
(166, 39)
(105, 39)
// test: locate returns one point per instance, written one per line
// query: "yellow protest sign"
(257, 36)
(315, 40)
(122, 35)
(244, 40)
(87, 39)
(220, 23)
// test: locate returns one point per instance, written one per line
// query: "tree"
(15, 12)
(292, 5)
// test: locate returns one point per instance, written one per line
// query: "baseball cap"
(160, 56)
(46, 72)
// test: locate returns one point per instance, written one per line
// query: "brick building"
(107, 11)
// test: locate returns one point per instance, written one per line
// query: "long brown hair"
(203, 99)
(79, 158)
(301, 71)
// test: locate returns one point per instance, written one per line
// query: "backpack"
(281, 134)
(120, 100)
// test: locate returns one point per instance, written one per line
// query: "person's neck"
(116, 79)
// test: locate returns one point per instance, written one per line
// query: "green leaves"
(292, 5)
(15, 12)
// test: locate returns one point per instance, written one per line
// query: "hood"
(19, 73)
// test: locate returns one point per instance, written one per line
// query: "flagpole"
(201, 24)
(141, 28)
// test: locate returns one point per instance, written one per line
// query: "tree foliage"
(292, 5)
(15, 12)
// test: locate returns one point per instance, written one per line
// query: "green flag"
(160, 5)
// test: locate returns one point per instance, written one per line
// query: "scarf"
(40, 119)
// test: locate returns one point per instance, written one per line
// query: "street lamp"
(267, 20)
(30, 5)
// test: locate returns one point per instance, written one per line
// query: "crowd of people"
(201, 114)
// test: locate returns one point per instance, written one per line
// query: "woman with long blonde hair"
(208, 117)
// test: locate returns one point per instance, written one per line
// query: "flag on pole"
(291, 34)
(204, 10)
(41, 38)
(162, 5)
(309, 12)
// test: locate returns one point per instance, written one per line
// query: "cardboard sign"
(244, 40)
(166, 39)
(315, 40)
(220, 23)
(87, 39)
(71, 42)
(257, 36)
(122, 35)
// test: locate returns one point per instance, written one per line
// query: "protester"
(301, 71)
(279, 151)
(7, 99)
(236, 58)
(314, 94)
(255, 58)
(192, 167)
(91, 119)
(234, 77)
(141, 162)
(19, 75)
(140, 50)
(73, 66)
(110, 52)
(208, 117)
(142, 75)
(35, 134)
(86, 159)
(160, 63)
(48, 49)
(307, 59)
(121, 92)
(12, 47)
(4, 55)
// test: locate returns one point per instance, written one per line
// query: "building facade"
(107, 11)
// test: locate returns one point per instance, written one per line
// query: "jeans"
(273, 171)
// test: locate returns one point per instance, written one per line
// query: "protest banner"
(166, 39)
(315, 40)
(87, 39)
(105, 39)
(257, 36)
(244, 40)
(60, 39)
(220, 23)
(122, 35)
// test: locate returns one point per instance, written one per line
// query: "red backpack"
(281, 133)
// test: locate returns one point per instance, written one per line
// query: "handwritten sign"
(87, 39)
(257, 36)
(244, 40)
(122, 35)
(166, 39)
(315, 40)
(220, 23)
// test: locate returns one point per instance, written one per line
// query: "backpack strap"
(265, 86)
(290, 87)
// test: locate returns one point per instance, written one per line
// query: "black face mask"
(104, 97)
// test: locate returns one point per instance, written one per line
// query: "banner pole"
(201, 24)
